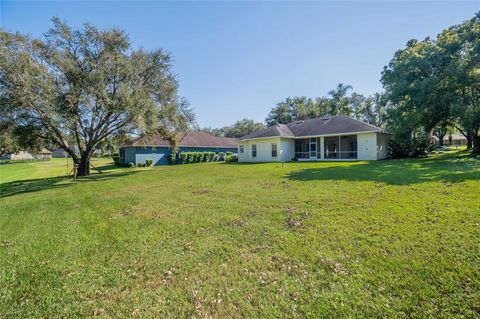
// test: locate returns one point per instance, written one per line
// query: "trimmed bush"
(183, 158)
(231, 158)
(211, 156)
(408, 147)
(148, 162)
(116, 160)
(131, 164)
(172, 158)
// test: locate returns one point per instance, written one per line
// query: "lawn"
(397, 238)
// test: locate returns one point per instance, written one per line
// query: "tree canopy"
(368, 109)
(432, 84)
(86, 85)
(237, 129)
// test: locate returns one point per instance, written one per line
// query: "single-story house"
(455, 140)
(44, 154)
(158, 149)
(20, 155)
(334, 138)
(24, 155)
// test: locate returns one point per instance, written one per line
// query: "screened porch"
(327, 148)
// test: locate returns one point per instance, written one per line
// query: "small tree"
(86, 85)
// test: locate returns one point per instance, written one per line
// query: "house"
(24, 155)
(455, 140)
(61, 153)
(20, 155)
(158, 149)
(44, 154)
(334, 138)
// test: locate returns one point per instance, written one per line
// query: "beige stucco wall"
(370, 146)
(285, 150)
(382, 145)
(367, 146)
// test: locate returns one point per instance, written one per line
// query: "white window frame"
(276, 150)
(241, 149)
(254, 152)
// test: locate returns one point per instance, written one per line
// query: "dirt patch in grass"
(237, 222)
(294, 218)
(203, 191)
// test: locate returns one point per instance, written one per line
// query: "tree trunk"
(440, 139)
(476, 144)
(84, 165)
(469, 140)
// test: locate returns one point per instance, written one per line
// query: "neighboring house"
(61, 153)
(24, 155)
(456, 140)
(158, 149)
(44, 154)
(334, 138)
(20, 155)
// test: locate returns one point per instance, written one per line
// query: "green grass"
(397, 238)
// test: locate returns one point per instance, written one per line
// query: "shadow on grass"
(34, 185)
(451, 168)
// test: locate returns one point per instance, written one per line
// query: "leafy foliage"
(432, 84)
(367, 109)
(86, 85)
(237, 129)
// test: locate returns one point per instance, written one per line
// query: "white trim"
(264, 138)
(236, 146)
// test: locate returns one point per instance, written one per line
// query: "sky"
(237, 60)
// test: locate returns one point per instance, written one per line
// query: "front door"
(313, 148)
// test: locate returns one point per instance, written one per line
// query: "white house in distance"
(319, 139)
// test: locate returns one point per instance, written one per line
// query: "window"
(240, 149)
(274, 149)
(254, 150)
(154, 150)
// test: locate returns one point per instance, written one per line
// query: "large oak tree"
(85, 85)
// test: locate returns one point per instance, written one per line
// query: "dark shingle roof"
(44, 151)
(280, 130)
(193, 139)
(315, 127)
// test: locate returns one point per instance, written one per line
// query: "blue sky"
(237, 60)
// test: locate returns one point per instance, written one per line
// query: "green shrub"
(183, 157)
(201, 156)
(408, 147)
(116, 160)
(189, 157)
(212, 156)
(139, 164)
(172, 158)
(131, 164)
(148, 162)
(231, 158)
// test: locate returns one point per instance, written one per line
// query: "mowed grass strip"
(396, 238)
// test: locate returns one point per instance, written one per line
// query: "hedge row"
(198, 157)
(116, 161)
(185, 158)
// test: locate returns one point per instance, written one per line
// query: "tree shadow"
(450, 168)
(34, 185)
